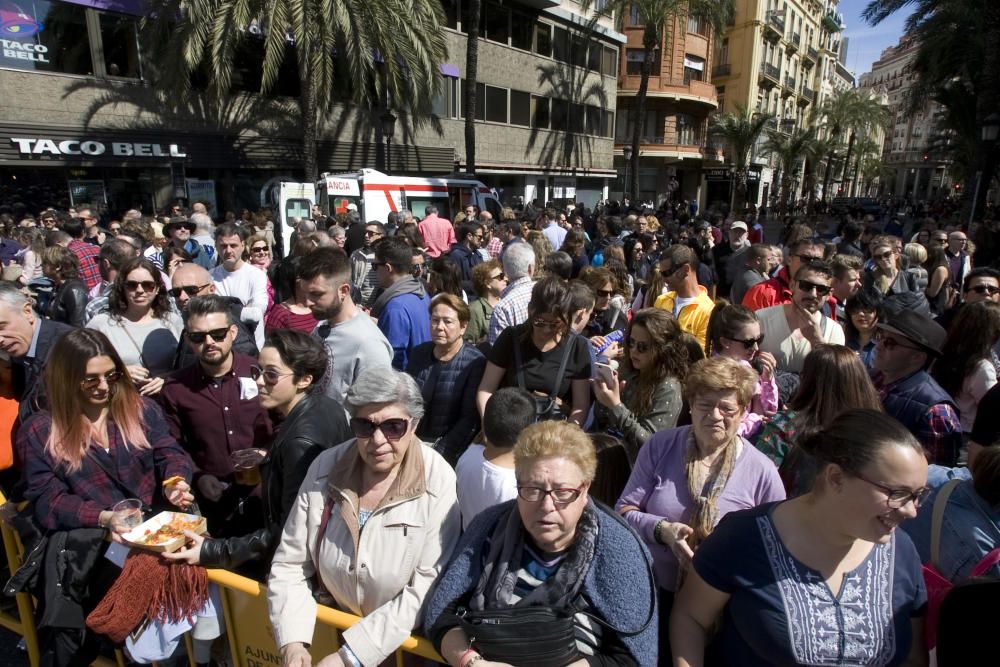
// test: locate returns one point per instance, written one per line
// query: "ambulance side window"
(417, 204)
(493, 206)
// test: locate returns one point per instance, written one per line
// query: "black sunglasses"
(985, 289)
(133, 285)
(605, 292)
(190, 290)
(807, 286)
(199, 336)
(749, 342)
(392, 429)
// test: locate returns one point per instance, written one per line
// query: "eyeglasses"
(92, 382)
(985, 289)
(749, 342)
(499, 276)
(133, 285)
(259, 249)
(642, 347)
(190, 290)
(545, 324)
(535, 494)
(392, 429)
(807, 286)
(726, 409)
(217, 335)
(891, 343)
(270, 375)
(603, 293)
(896, 497)
(807, 258)
(371, 232)
(666, 273)
(885, 255)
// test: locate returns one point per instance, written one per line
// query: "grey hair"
(336, 231)
(306, 227)
(381, 384)
(12, 295)
(203, 223)
(516, 260)
(430, 209)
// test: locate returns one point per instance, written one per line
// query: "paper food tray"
(137, 535)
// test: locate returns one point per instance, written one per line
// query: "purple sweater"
(658, 487)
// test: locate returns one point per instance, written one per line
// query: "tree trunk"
(988, 102)
(810, 184)
(472, 10)
(854, 181)
(309, 109)
(847, 161)
(649, 42)
(827, 174)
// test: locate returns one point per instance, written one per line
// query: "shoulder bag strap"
(987, 563)
(940, 503)
(138, 349)
(570, 342)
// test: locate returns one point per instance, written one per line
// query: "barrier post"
(24, 623)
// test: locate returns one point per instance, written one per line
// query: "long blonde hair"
(71, 434)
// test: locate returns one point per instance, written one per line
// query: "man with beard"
(790, 330)
(213, 410)
(351, 337)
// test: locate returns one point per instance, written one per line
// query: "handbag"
(539, 636)
(938, 586)
(546, 407)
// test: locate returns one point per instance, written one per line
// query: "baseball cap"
(739, 224)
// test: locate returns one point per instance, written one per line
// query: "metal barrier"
(251, 637)
(24, 623)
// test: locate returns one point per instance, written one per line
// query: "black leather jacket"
(315, 424)
(69, 303)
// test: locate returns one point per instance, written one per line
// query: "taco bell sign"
(93, 148)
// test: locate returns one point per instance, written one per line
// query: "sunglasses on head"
(807, 286)
(392, 429)
(190, 290)
(545, 324)
(985, 289)
(218, 335)
(133, 285)
(92, 382)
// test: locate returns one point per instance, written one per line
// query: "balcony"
(810, 57)
(806, 96)
(789, 88)
(794, 42)
(832, 22)
(724, 69)
(770, 75)
(774, 26)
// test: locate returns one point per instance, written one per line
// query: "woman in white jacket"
(377, 518)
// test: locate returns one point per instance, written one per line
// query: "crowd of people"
(613, 437)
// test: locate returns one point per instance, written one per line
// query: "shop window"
(609, 61)
(120, 45)
(496, 104)
(520, 108)
(543, 39)
(522, 31)
(540, 116)
(51, 37)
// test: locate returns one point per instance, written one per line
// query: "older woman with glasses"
(687, 478)
(566, 568)
(824, 578)
(141, 324)
(542, 356)
(374, 522)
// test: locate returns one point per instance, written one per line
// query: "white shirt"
(790, 348)
(249, 285)
(481, 484)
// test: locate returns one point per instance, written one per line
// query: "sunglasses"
(270, 375)
(92, 382)
(808, 258)
(666, 273)
(190, 290)
(642, 347)
(941, 240)
(499, 276)
(133, 285)
(199, 337)
(821, 290)
(605, 292)
(749, 342)
(369, 232)
(985, 289)
(885, 255)
(392, 429)
(261, 248)
(891, 343)
(535, 494)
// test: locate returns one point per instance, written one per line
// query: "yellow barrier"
(24, 623)
(251, 637)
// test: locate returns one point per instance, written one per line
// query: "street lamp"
(627, 153)
(388, 122)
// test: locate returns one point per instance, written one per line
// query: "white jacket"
(381, 573)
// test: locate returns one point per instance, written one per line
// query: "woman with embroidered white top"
(376, 519)
(141, 324)
(824, 578)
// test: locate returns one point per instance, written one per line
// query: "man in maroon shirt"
(214, 410)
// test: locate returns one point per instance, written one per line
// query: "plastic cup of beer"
(126, 515)
(246, 466)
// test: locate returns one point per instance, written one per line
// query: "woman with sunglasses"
(531, 356)
(734, 333)
(98, 443)
(687, 478)
(552, 546)
(260, 258)
(488, 281)
(375, 520)
(886, 276)
(814, 407)
(822, 579)
(607, 315)
(141, 324)
(647, 398)
(292, 366)
(862, 314)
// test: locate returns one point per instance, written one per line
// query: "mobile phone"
(606, 372)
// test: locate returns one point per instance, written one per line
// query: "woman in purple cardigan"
(688, 478)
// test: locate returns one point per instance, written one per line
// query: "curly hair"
(117, 299)
(670, 354)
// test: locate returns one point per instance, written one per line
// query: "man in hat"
(179, 231)
(907, 343)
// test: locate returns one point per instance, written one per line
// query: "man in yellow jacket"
(688, 301)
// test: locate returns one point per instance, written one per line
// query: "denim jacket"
(970, 528)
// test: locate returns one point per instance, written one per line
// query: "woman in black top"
(533, 352)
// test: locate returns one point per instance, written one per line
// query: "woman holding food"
(292, 364)
(99, 443)
(374, 522)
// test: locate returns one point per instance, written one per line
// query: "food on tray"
(171, 530)
(173, 480)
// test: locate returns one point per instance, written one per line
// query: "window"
(496, 20)
(496, 104)
(694, 69)
(560, 44)
(577, 117)
(578, 50)
(722, 55)
(698, 25)
(594, 124)
(594, 57)
(633, 61)
(446, 103)
(543, 39)
(609, 61)
(520, 108)
(452, 13)
(120, 46)
(720, 94)
(540, 112)
(51, 37)
(608, 128)
(522, 31)
(560, 115)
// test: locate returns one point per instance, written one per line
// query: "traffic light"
(926, 157)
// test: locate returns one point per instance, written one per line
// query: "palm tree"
(849, 111)
(740, 131)
(655, 16)
(472, 11)
(818, 151)
(789, 149)
(866, 149)
(373, 54)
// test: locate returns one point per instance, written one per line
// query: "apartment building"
(80, 122)
(914, 171)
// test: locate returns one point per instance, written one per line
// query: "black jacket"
(314, 425)
(69, 302)
(245, 342)
(26, 372)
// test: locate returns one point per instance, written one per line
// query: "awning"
(450, 70)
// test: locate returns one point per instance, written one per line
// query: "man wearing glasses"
(213, 410)
(363, 273)
(686, 300)
(982, 284)
(790, 330)
(907, 343)
(466, 252)
(778, 289)
(959, 260)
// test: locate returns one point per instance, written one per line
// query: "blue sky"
(867, 43)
